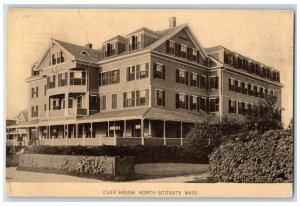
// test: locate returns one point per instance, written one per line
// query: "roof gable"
(169, 33)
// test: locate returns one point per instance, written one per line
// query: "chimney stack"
(89, 45)
(172, 21)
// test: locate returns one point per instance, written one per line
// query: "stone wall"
(86, 165)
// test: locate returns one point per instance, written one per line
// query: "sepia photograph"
(149, 103)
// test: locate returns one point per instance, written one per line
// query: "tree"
(264, 117)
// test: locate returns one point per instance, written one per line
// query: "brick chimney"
(172, 21)
(89, 45)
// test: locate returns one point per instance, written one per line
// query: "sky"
(266, 36)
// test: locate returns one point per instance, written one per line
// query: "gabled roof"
(118, 37)
(77, 51)
(143, 29)
(24, 113)
(168, 33)
(215, 48)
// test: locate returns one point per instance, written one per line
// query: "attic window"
(84, 53)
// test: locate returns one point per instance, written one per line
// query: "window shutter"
(137, 71)
(137, 98)
(133, 98)
(177, 100)
(207, 105)
(154, 69)
(186, 101)
(206, 82)
(127, 72)
(163, 71)
(189, 53)
(177, 49)
(37, 92)
(156, 97)
(177, 75)
(168, 46)
(147, 69)
(147, 96)
(191, 102)
(191, 78)
(59, 79)
(236, 85)
(163, 98)
(32, 92)
(48, 82)
(54, 77)
(198, 56)
(198, 103)
(217, 83)
(124, 99)
(198, 80)
(66, 76)
(186, 78)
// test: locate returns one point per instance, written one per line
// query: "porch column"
(115, 135)
(91, 130)
(83, 134)
(37, 133)
(67, 135)
(52, 137)
(149, 132)
(67, 103)
(124, 131)
(181, 134)
(142, 131)
(108, 129)
(27, 136)
(76, 128)
(165, 141)
(16, 138)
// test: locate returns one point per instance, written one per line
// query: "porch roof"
(172, 115)
(31, 123)
(155, 113)
(115, 115)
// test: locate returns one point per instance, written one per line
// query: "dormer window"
(84, 53)
(135, 42)
(110, 49)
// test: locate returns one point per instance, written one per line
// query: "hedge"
(142, 154)
(265, 159)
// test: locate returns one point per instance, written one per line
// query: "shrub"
(142, 154)
(266, 158)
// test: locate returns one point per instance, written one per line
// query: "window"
(114, 101)
(77, 78)
(214, 105)
(231, 84)
(261, 92)
(130, 73)
(170, 47)
(181, 76)
(129, 99)
(51, 82)
(142, 97)
(34, 92)
(94, 102)
(103, 102)
(228, 58)
(79, 102)
(135, 42)
(232, 106)
(183, 51)
(240, 109)
(160, 98)
(142, 71)
(34, 111)
(57, 104)
(244, 87)
(110, 49)
(213, 82)
(110, 77)
(70, 102)
(203, 106)
(250, 89)
(62, 79)
(57, 58)
(255, 89)
(194, 103)
(203, 82)
(194, 80)
(182, 101)
(158, 71)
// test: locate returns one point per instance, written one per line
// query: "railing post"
(165, 141)
(181, 134)
(142, 131)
